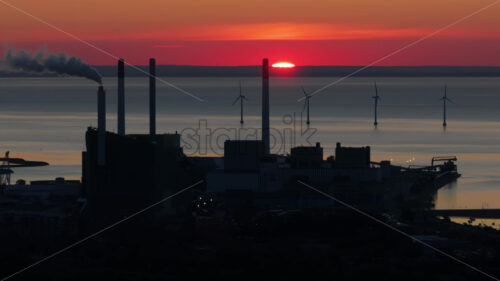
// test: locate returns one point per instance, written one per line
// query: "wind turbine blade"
(449, 100)
(376, 89)
(304, 91)
(236, 100)
(305, 104)
(240, 88)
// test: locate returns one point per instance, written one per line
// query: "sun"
(284, 64)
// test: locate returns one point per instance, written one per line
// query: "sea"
(45, 119)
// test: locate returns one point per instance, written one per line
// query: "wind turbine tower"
(445, 99)
(306, 104)
(240, 98)
(376, 98)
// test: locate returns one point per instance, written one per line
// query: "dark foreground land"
(273, 245)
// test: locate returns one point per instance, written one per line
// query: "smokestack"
(265, 105)
(101, 127)
(121, 97)
(152, 97)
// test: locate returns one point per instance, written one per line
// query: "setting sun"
(284, 65)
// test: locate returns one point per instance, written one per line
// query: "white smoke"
(59, 63)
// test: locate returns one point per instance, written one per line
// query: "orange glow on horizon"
(284, 65)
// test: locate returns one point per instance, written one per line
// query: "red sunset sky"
(228, 32)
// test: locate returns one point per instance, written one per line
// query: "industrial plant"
(248, 177)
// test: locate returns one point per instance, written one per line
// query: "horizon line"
(305, 65)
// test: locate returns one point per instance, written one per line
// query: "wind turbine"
(376, 98)
(444, 99)
(240, 98)
(306, 104)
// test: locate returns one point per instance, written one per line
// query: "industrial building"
(352, 157)
(246, 167)
(256, 180)
(306, 156)
(123, 173)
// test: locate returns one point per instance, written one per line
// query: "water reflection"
(494, 223)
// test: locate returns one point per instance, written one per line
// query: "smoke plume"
(59, 63)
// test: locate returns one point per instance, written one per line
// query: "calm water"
(45, 119)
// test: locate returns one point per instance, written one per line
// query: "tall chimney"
(265, 105)
(101, 127)
(121, 97)
(152, 97)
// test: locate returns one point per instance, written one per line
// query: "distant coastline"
(300, 71)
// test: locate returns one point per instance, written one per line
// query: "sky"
(229, 32)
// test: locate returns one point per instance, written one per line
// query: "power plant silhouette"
(248, 165)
